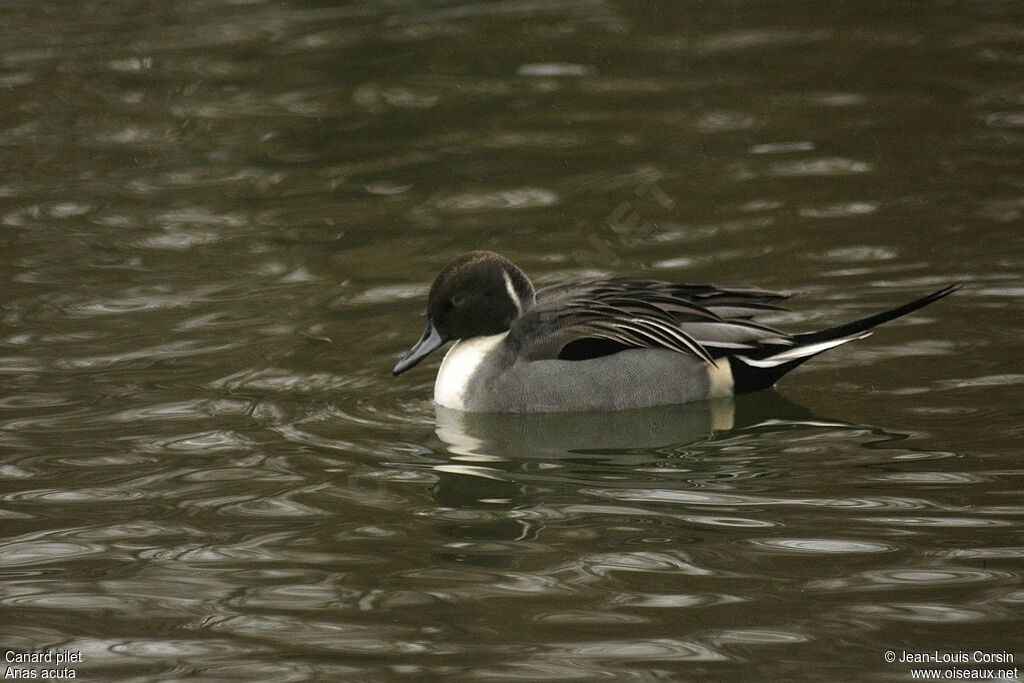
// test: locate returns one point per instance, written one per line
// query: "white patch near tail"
(720, 381)
(798, 352)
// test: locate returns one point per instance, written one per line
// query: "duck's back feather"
(593, 318)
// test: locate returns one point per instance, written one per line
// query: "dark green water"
(218, 224)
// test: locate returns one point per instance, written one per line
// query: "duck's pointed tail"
(761, 369)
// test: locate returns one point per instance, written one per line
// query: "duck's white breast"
(458, 367)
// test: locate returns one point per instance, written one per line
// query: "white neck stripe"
(511, 288)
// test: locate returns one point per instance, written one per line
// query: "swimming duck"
(607, 343)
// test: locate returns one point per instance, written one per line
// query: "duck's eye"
(456, 300)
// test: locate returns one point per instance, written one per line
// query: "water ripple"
(588, 616)
(729, 522)
(674, 563)
(190, 410)
(932, 478)
(377, 98)
(34, 401)
(828, 546)
(555, 70)
(942, 522)
(86, 600)
(80, 495)
(916, 578)
(291, 597)
(828, 166)
(990, 553)
(32, 553)
(218, 441)
(169, 351)
(653, 650)
(674, 600)
(173, 648)
(759, 637)
(730, 500)
(139, 300)
(272, 507)
(330, 636)
(516, 198)
(926, 612)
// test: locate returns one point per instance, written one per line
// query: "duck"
(607, 344)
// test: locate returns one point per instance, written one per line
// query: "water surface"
(219, 222)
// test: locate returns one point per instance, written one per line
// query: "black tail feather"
(756, 371)
(864, 324)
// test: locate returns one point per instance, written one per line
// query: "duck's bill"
(431, 340)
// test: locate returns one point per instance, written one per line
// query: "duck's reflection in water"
(491, 457)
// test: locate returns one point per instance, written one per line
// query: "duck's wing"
(595, 318)
(599, 318)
